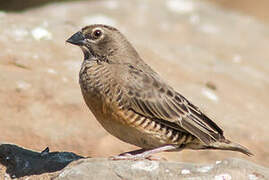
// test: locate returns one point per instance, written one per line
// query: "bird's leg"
(144, 154)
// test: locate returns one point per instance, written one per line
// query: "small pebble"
(185, 171)
(180, 6)
(40, 33)
(211, 85)
(210, 94)
(223, 177)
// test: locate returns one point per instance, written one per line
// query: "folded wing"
(149, 96)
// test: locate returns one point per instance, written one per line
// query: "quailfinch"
(133, 103)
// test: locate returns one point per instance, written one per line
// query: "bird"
(133, 103)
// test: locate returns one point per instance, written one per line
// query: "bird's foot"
(137, 157)
(143, 154)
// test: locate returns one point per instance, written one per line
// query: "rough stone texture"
(216, 58)
(101, 169)
(221, 170)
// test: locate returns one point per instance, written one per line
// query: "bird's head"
(102, 41)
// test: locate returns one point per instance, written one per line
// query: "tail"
(228, 145)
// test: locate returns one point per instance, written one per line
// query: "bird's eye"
(97, 33)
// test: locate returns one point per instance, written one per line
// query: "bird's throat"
(86, 52)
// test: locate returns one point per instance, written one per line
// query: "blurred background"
(213, 52)
(256, 9)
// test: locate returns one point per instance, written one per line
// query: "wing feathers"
(160, 102)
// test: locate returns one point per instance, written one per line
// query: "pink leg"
(144, 154)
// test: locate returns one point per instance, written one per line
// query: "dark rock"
(22, 162)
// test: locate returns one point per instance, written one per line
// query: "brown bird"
(133, 103)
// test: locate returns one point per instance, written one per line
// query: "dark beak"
(77, 39)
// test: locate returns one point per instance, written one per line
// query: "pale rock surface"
(104, 169)
(216, 58)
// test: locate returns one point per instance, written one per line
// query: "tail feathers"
(227, 145)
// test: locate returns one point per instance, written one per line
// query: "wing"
(149, 96)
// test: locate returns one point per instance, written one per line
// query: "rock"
(105, 169)
(190, 43)
(101, 168)
(21, 162)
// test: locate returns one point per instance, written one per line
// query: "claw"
(137, 157)
(143, 154)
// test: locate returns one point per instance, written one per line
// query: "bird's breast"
(100, 91)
